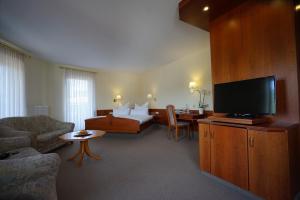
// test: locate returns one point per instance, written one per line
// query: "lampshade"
(118, 97)
(192, 85)
(149, 96)
(298, 7)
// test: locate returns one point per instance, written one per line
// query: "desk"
(192, 117)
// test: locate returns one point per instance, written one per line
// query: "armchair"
(29, 175)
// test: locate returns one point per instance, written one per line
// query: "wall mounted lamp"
(117, 98)
(151, 97)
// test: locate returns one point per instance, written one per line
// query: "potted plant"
(202, 104)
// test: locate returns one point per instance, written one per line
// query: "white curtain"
(12, 83)
(79, 97)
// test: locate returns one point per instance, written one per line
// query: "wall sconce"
(193, 87)
(150, 96)
(117, 98)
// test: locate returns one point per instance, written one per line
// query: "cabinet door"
(229, 155)
(269, 164)
(204, 147)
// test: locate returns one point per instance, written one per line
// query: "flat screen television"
(248, 98)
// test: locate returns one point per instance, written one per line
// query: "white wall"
(108, 85)
(169, 83)
(36, 83)
(112, 83)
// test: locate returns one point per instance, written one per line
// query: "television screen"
(253, 97)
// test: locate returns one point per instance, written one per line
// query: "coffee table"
(84, 144)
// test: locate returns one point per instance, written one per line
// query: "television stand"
(236, 120)
(242, 116)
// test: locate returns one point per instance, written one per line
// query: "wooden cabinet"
(260, 159)
(204, 150)
(269, 164)
(229, 156)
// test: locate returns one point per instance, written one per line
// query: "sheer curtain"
(12, 83)
(79, 96)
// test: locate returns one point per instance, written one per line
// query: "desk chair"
(174, 124)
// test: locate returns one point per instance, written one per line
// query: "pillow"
(139, 111)
(145, 105)
(121, 111)
(125, 106)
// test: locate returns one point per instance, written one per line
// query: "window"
(12, 83)
(79, 101)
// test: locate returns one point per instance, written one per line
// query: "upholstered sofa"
(26, 173)
(41, 131)
(29, 175)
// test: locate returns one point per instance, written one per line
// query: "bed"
(119, 123)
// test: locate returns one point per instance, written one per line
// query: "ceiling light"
(298, 7)
(206, 8)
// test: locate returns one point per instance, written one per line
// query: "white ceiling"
(109, 34)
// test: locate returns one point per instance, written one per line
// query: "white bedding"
(140, 118)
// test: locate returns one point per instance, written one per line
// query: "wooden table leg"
(88, 151)
(78, 153)
(84, 149)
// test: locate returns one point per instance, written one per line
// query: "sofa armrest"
(31, 177)
(10, 143)
(65, 125)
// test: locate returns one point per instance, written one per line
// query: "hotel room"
(137, 100)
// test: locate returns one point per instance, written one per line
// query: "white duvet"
(140, 118)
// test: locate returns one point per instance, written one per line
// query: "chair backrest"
(171, 116)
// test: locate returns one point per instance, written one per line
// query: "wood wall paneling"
(191, 11)
(297, 25)
(258, 39)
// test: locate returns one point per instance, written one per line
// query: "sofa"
(29, 175)
(41, 132)
(26, 173)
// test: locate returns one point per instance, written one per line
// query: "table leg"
(81, 153)
(89, 153)
(84, 149)
(78, 153)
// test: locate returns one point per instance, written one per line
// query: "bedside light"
(297, 7)
(192, 86)
(206, 8)
(117, 98)
(150, 96)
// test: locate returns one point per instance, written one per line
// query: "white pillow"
(121, 111)
(145, 105)
(139, 111)
(125, 106)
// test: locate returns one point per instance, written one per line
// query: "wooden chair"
(174, 124)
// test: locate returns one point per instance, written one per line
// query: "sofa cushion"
(39, 124)
(44, 137)
(22, 153)
(9, 143)
(32, 177)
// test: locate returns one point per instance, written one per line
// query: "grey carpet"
(148, 166)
